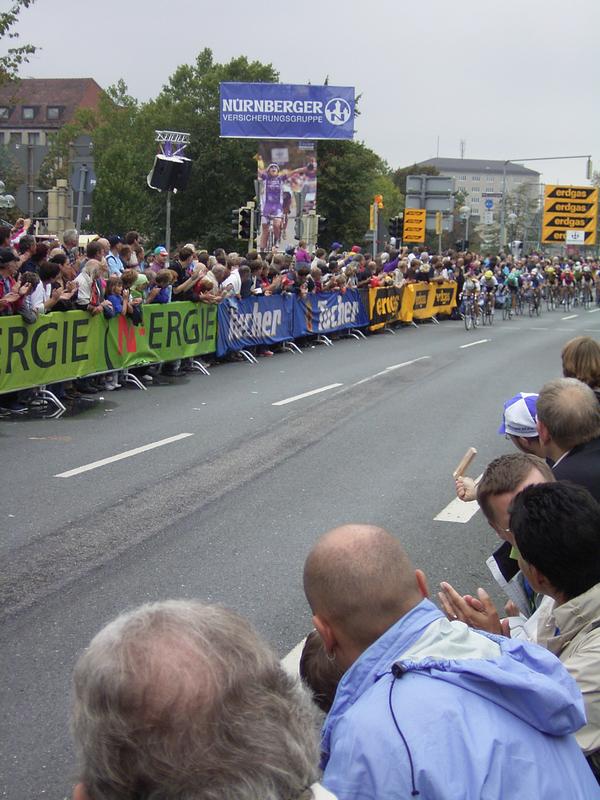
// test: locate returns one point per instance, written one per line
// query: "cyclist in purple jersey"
(273, 200)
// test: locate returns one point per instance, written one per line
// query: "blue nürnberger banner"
(254, 321)
(286, 111)
(329, 312)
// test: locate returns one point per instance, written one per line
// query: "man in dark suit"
(568, 418)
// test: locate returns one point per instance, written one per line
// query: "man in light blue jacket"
(429, 707)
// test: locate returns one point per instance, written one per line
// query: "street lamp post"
(465, 213)
(6, 200)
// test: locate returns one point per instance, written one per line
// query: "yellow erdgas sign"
(570, 208)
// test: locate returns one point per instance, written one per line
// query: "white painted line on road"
(472, 344)
(593, 310)
(571, 316)
(291, 662)
(120, 456)
(389, 369)
(306, 394)
(539, 329)
(458, 511)
(406, 363)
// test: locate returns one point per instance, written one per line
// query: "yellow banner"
(385, 303)
(559, 236)
(580, 193)
(569, 208)
(425, 300)
(577, 208)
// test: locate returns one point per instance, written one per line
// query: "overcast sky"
(513, 78)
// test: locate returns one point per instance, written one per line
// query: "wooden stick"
(464, 463)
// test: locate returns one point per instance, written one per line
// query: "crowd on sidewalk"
(180, 699)
(116, 276)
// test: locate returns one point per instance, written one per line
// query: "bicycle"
(507, 310)
(567, 296)
(550, 296)
(487, 315)
(586, 296)
(470, 316)
(533, 302)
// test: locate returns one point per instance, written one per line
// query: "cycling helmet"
(488, 275)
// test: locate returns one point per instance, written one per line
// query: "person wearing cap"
(489, 286)
(273, 180)
(161, 259)
(335, 252)
(519, 425)
(113, 261)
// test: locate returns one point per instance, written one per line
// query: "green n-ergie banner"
(72, 344)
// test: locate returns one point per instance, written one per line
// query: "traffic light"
(321, 226)
(245, 224)
(235, 223)
(395, 227)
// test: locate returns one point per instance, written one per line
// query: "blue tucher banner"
(329, 312)
(286, 111)
(254, 321)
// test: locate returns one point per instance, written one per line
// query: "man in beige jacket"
(557, 531)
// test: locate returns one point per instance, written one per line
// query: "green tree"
(349, 177)
(522, 213)
(400, 175)
(56, 164)
(223, 169)
(14, 57)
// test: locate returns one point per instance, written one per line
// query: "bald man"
(430, 707)
(568, 420)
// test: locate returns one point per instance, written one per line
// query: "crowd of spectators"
(116, 276)
(179, 699)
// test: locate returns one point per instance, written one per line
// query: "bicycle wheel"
(468, 319)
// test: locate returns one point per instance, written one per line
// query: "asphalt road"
(228, 513)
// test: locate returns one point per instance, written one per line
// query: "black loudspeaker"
(169, 173)
(181, 173)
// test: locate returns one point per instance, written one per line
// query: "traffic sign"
(588, 193)
(569, 222)
(488, 217)
(570, 208)
(567, 207)
(558, 236)
(414, 225)
(489, 204)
